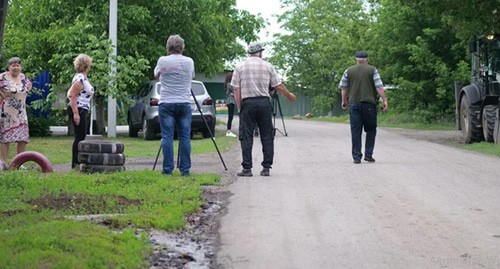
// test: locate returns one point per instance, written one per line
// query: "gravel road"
(421, 205)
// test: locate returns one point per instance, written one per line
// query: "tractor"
(478, 104)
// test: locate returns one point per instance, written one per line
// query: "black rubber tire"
(147, 133)
(95, 146)
(469, 122)
(92, 168)
(133, 132)
(101, 158)
(488, 117)
(206, 133)
(33, 156)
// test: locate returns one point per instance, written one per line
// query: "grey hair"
(362, 60)
(82, 62)
(175, 44)
(14, 60)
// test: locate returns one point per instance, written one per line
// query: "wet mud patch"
(195, 246)
(84, 204)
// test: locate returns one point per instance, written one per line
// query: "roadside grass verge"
(58, 148)
(38, 228)
(406, 121)
(392, 120)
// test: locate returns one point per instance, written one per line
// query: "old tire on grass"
(101, 158)
(96, 146)
(33, 156)
(93, 168)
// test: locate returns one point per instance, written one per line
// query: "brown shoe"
(245, 173)
(265, 172)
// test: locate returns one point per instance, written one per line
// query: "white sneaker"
(229, 133)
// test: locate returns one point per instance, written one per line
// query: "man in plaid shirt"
(252, 80)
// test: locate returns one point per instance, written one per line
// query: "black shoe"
(265, 172)
(369, 159)
(245, 173)
(357, 161)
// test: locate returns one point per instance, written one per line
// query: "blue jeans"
(172, 114)
(363, 115)
(256, 112)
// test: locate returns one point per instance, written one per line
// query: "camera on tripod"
(276, 107)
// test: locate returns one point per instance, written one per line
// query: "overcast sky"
(266, 8)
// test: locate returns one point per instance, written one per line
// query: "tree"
(48, 34)
(323, 37)
(421, 49)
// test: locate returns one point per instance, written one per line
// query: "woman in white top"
(79, 94)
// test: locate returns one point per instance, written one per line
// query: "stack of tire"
(99, 156)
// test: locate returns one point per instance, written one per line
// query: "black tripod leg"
(208, 128)
(281, 114)
(157, 155)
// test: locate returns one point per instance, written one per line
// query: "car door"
(137, 107)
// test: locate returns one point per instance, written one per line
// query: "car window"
(198, 88)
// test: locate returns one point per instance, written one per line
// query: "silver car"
(143, 112)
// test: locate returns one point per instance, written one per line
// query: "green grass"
(391, 120)
(37, 224)
(58, 148)
(405, 121)
(484, 147)
(35, 231)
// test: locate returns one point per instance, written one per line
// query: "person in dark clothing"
(251, 81)
(360, 86)
(230, 103)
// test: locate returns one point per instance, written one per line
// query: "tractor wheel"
(33, 156)
(488, 121)
(469, 122)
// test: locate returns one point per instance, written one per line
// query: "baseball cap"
(361, 54)
(254, 47)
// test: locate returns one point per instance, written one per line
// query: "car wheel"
(147, 132)
(132, 131)
(206, 132)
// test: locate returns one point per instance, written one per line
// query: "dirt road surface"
(420, 205)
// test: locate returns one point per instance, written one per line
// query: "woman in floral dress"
(14, 87)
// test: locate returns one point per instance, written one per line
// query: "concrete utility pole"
(3, 14)
(113, 23)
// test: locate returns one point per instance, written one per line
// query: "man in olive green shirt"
(361, 85)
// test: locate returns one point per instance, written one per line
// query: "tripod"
(277, 108)
(209, 131)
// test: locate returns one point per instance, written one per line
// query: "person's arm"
(283, 90)
(343, 85)
(237, 97)
(380, 89)
(344, 98)
(72, 94)
(381, 92)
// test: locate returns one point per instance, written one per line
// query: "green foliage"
(419, 46)
(323, 36)
(134, 147)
